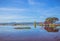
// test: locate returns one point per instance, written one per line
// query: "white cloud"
(12, 9)
(15, 18)
(15, 14)
(33, 2)
(12, 14)
(49, 12)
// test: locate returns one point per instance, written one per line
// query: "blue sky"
(28, 10)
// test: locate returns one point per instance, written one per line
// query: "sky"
(28, 10)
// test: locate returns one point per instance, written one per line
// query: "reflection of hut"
(51, 29)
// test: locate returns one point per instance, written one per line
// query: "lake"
(8, 33)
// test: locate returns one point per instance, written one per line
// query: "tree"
(52, 19)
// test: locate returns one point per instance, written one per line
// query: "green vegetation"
(22, 28)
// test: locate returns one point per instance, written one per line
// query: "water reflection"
(50, 29)
(7, 33)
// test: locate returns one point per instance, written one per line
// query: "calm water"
(8, 33)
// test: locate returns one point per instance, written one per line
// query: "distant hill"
(22, 23)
